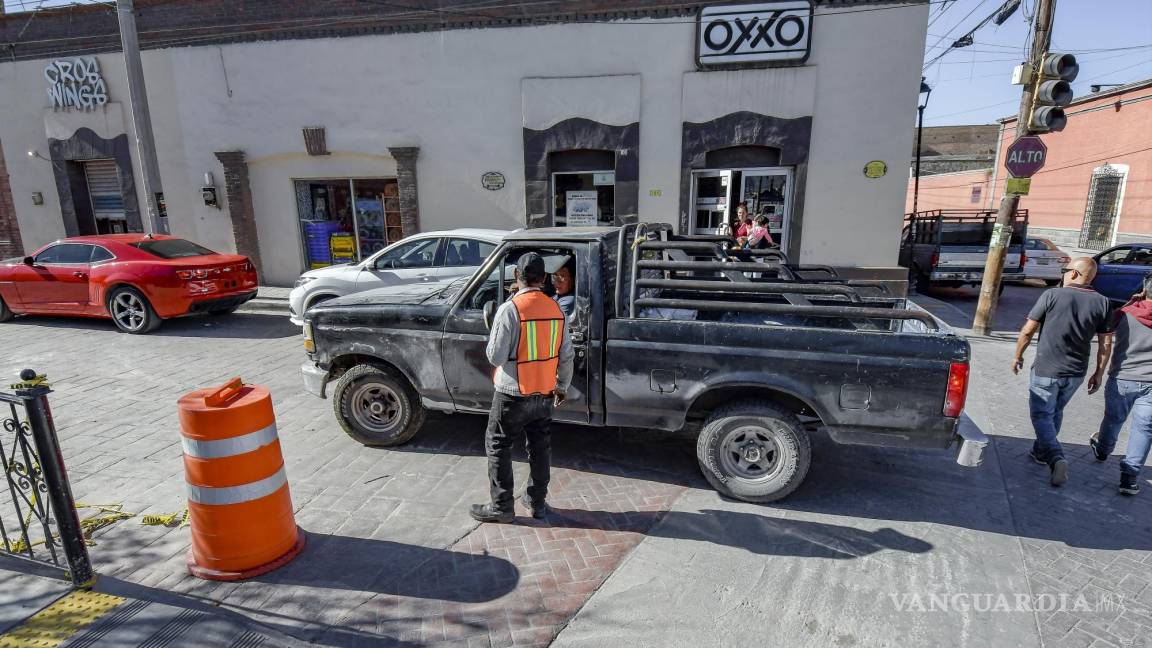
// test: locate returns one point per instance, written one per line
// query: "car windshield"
(172, 248)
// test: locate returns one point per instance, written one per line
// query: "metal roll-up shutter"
(104, 189)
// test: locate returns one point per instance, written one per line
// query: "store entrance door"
(108, 216)
(586, 198)
(766, 190)
(347, 220)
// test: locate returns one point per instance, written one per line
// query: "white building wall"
(458, 96)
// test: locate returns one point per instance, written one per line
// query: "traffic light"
(1051, 92)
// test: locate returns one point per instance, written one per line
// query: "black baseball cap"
(531, 267)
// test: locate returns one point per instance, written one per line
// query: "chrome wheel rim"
(129, 311)
(752, 453)
(377, 408)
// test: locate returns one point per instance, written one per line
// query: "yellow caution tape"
(177, 519)
(39, 381)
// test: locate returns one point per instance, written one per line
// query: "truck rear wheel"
(754, 451)
(376, 407)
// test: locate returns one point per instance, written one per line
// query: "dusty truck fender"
(719, 389)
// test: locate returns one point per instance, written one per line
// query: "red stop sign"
(1025, 156)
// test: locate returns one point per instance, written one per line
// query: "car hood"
(330, 271)
(414, 293)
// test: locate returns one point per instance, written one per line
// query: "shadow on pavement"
(1008, 495)
(251, 326)
(957, 306)
(392, 568)
(648, 454)
(768, 536)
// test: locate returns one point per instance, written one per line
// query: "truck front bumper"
(970, 445)
(315, 379)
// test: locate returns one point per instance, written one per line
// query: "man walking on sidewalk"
(1129, 391)
(1067, 318)
(532, 353)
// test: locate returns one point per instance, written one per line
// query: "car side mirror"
(489, 314)
(29, 261)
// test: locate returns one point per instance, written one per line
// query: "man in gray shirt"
(1129, 391)
(530, 348)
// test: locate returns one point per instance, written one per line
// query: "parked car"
(670, 333)
(1122, 270)
(429, 257)
(949, 248)
(1044, 260)
(135, 279)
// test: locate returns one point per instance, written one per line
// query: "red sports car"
(136, 279)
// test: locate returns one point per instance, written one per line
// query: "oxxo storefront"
(310, 146)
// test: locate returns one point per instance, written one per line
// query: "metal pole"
(59, 490)
(916, 183)
(141, 118)
(1002, 231)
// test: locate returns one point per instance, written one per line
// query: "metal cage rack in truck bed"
(743, 349)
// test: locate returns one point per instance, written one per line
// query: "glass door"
(768, 193)
(709, 200)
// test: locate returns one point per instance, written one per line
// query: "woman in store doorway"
(759, 238)
(743, 226)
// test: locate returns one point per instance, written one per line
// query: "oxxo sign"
(766, 33)
(75, 83)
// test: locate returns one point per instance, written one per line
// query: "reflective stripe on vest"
(220, 448)
(237, 494)
(538, 353)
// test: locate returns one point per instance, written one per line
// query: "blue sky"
(972, 85)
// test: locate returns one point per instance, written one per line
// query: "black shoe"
(1129, 484)
(1059, 472)
(539, 511)
(1092, 443)
(1032, 454)
(485, 513)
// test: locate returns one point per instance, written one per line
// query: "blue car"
(1122, 270)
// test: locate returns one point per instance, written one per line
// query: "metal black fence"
(38, 519)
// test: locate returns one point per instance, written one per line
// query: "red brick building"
(1095, 189)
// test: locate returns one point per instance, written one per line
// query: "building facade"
(315, 133)
(1095, 189)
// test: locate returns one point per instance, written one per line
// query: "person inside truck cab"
(564, 282)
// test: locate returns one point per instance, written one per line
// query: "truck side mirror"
(489, 314)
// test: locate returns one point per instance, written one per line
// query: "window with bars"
(1102, 207)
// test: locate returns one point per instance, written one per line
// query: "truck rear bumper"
(971, 443)
(315, 379)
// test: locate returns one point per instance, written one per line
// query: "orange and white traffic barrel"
(239, 505)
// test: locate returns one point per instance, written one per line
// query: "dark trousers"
(513, 418)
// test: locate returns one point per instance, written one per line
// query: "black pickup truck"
(673, 333)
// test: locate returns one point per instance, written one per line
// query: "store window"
(583, 188)
(346, 220)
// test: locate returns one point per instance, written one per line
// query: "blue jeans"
(1121, 398)
(1046, 400)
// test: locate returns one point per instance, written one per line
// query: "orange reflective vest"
(538, 354)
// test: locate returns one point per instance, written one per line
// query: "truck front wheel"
(756, 452)
(376, 407)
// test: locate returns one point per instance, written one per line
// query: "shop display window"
(347, 220)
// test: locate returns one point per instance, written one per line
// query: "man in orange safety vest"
(532, 353)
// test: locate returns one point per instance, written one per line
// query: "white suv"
(432, 256)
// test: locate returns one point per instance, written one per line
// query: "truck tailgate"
(969, 257)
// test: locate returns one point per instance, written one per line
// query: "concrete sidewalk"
(39, 608)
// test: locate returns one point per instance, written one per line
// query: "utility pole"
(1002, 233)
(141, 118)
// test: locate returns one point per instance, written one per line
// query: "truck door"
(465, 340)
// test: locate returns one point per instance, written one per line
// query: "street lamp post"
(925, 90)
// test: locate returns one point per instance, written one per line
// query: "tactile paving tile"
(56, 623)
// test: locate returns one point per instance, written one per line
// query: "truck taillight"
(957, 389)
(1064, 260)
(935, 259)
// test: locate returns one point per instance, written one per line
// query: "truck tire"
(754, 451)
(377, 407)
